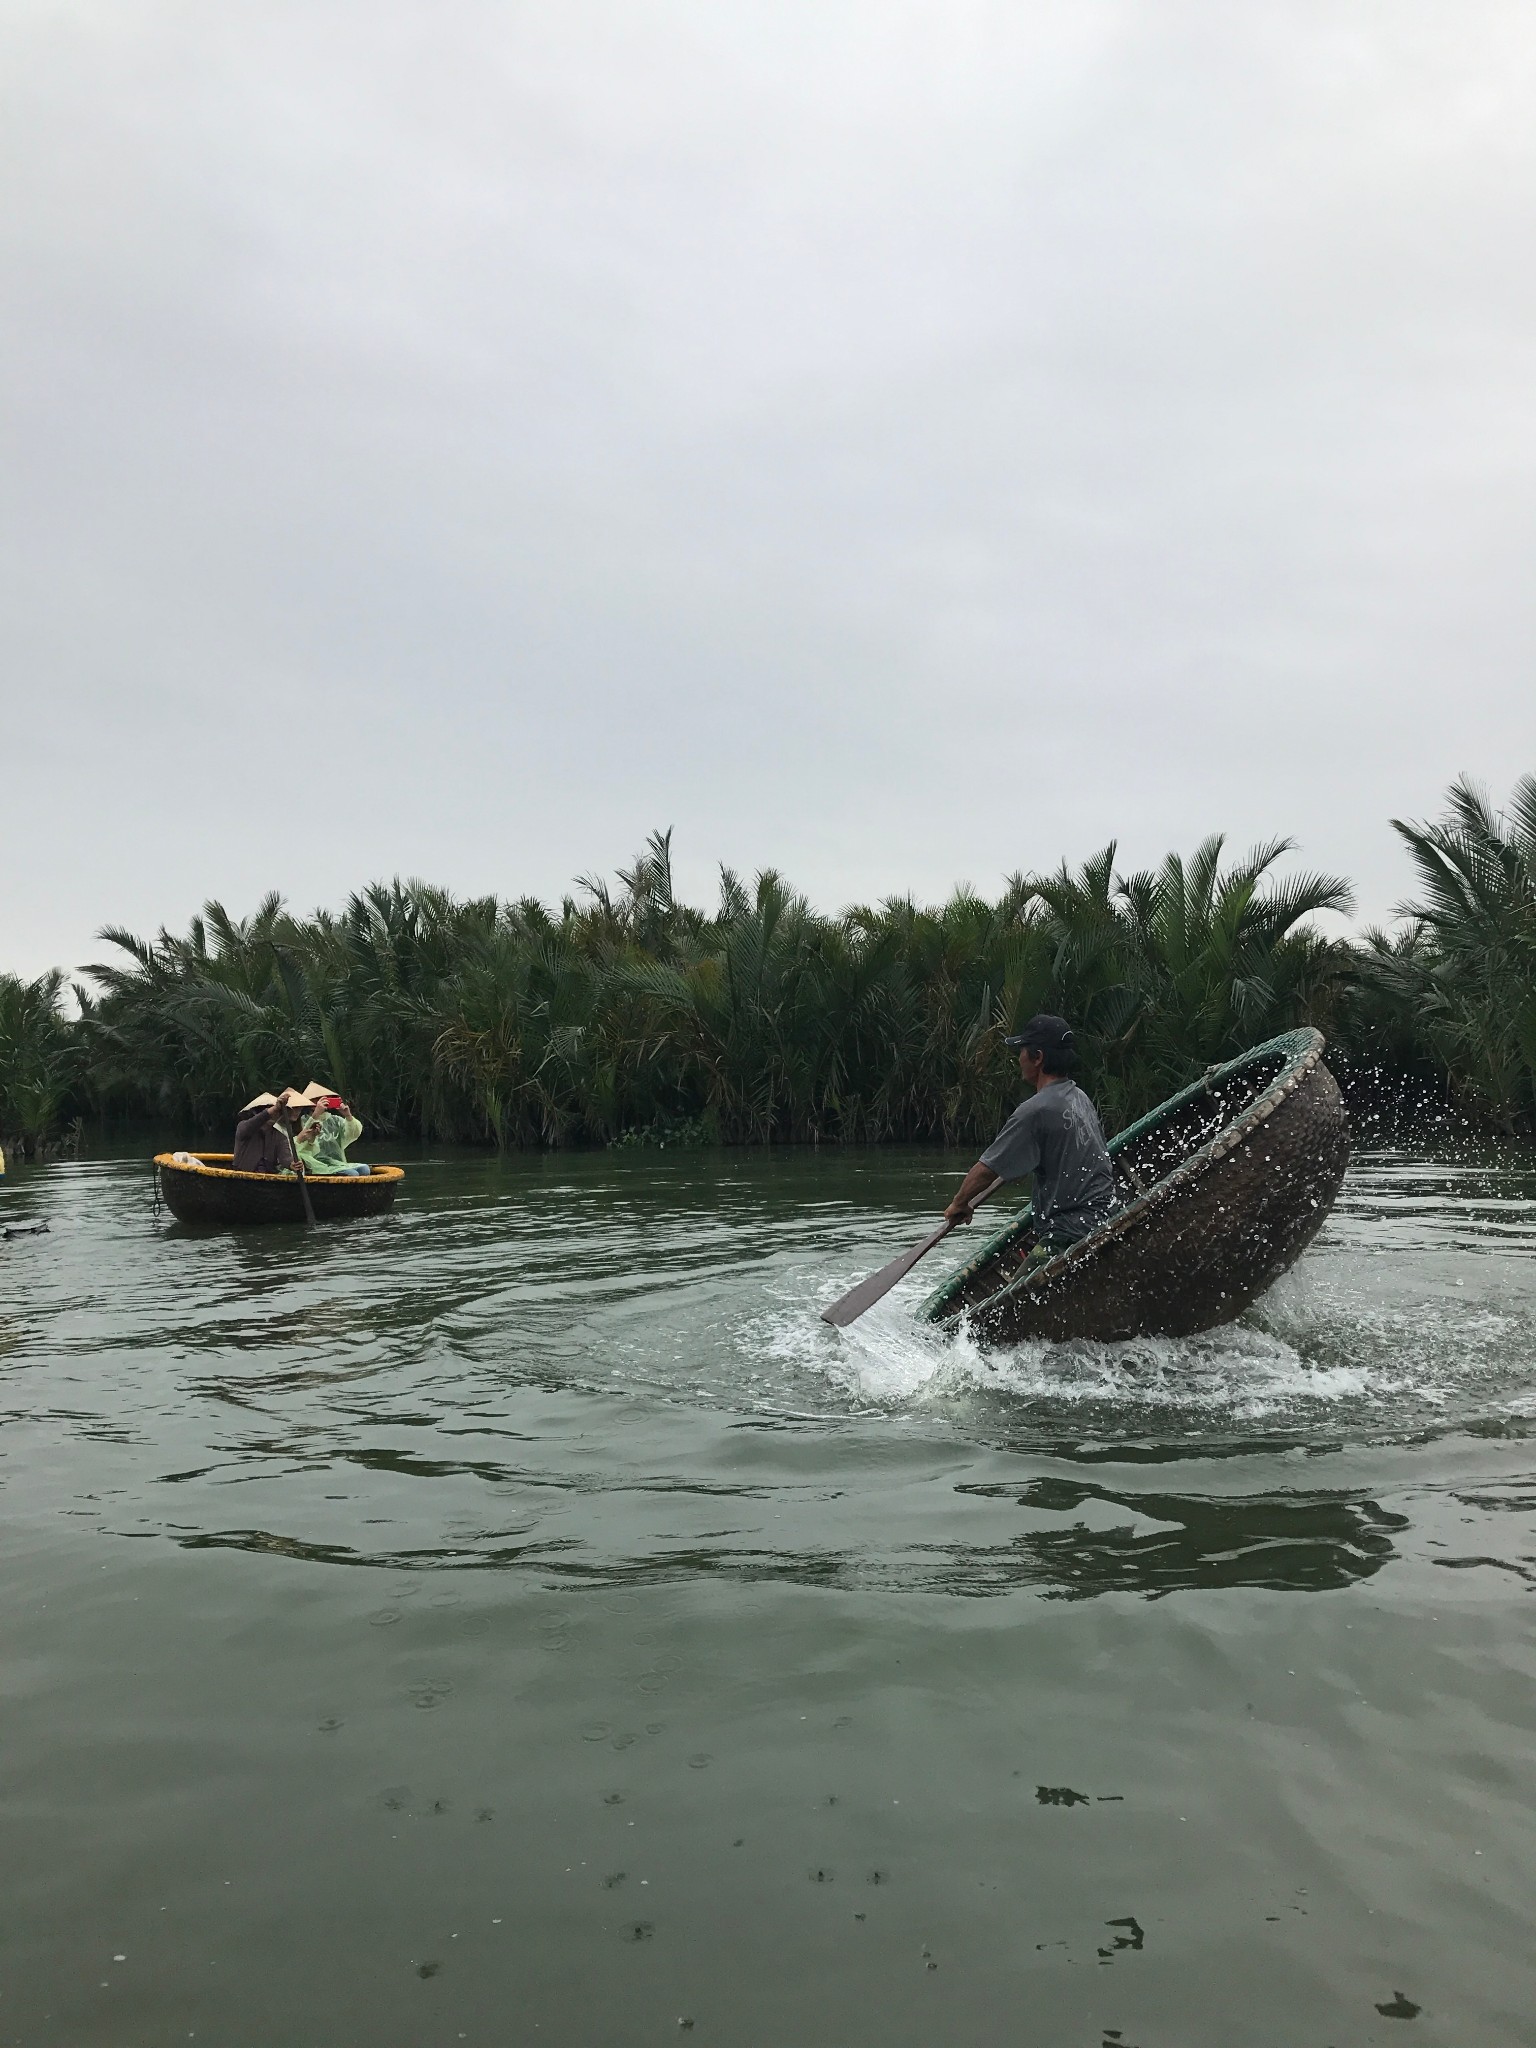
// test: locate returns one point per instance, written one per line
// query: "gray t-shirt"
(1056, 1135)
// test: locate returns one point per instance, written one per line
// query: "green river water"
(519, 1619)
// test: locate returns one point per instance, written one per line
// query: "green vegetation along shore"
(628, 1016)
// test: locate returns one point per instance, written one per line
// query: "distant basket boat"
(1222, 1187)
(211, 1192)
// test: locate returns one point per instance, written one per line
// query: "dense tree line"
(628, 1014)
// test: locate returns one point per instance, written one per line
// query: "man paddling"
(1054, 1134)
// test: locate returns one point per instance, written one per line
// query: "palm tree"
(1165, 971)
(624, 1010)
(1465, 971)
(1223, 959)
(41, 1061)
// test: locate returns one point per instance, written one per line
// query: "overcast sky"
(894, 443)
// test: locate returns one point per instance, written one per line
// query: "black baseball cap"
(1046, 1034)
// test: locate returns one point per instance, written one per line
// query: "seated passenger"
(324, 1136)
(261, 1138)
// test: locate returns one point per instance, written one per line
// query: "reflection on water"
(1082, 1541)
(496, 1378)
(1172, 1543)
(524, 1605)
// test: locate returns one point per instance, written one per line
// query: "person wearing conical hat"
(330, 1127)
(261, 1135)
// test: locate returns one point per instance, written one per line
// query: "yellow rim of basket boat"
(169, 1163)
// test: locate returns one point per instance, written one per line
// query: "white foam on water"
(1408, 1314)
(1309, 1351)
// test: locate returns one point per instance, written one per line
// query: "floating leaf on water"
(1399, 2008)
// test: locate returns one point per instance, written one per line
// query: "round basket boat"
(1222, 1187)
(211, 1192)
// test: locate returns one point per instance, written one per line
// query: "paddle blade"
(868, 1292)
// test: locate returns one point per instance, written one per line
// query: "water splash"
(1417, 1310)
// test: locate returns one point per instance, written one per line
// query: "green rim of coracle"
(1299, 1052)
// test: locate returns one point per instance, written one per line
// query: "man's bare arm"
(978, 1182)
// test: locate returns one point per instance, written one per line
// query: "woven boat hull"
(212, 1194)
(1223, 1187)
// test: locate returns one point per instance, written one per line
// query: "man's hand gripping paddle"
(868, 1292)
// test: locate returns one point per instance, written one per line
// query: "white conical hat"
(317, 1091)
(266, 1100)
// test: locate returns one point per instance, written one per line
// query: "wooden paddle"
(853, 1304)
(298, 1167)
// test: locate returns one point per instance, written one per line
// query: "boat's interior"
(1143, 1157)
(223, 1162)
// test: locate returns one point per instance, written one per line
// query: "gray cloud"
(895, 443)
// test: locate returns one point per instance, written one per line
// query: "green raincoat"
(324, 1149)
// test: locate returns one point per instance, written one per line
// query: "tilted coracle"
(1221, 1187)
